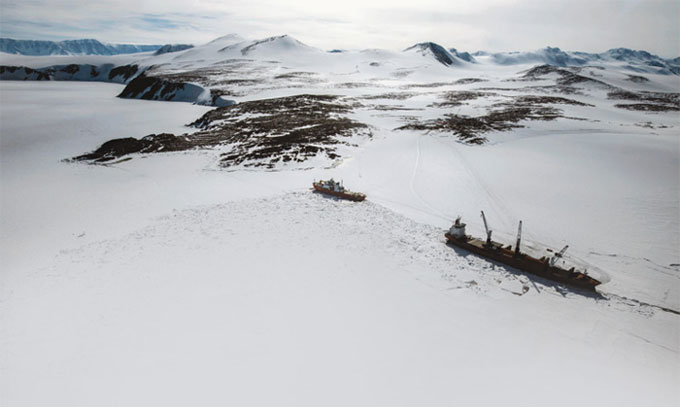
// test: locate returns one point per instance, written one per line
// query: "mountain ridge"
(87, 46)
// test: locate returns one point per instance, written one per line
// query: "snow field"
(317, 300)
(160, 280)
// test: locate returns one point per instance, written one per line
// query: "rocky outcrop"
(139, 85)
(258, 133)
(120, 147)
(168, 48)
(160, 88)
(71, 72)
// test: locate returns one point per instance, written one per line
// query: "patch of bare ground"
(650, 125)
(637, 79)
(296, 75)
(427, 85)
(298, 78)
(556, 100)
(556, 89)
(503, 116)
(647, 107)
(565, 76)
(401, 73)
(465, 81)
(649, 101)
(392, 108)
(458, 98)
(391, 95)
(260, 133)
(353, 85)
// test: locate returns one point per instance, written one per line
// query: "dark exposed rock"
(291, 128)
(465, 56)
(44, 74)
(457, 98)
(124, 71)
(391, 95)
(148, 87)
(648, 107)
(440, 53)
(73, 68)
(637, 79)
(565, 76)
(652, 101)
(120, 147)
(465, 81)
(503, 116)
(168, 48)
(469, 129)
(260, 132)
(246, 50)
(535, 99)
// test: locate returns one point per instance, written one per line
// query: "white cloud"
(586, 25)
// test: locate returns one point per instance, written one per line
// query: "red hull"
(352, 196)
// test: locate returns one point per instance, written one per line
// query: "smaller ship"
(544, 267)
(334, 188)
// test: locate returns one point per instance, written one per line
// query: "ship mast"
(519, 238)
(488, 232)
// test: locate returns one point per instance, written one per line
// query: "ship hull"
(523, 262)
(349, 196)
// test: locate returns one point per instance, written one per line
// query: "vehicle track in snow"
(414, 174)
(494, 200)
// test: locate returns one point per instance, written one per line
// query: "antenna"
(519, 238)
(488, 232)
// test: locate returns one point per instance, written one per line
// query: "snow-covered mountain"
(436, 51)
(70, 47)
(548, 55)
(640, 61)
(231, 66)
(172, 48)
(465, 56)
(279, 45)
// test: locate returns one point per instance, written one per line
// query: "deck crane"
(557, 255)
(519, 238)
(488, 232)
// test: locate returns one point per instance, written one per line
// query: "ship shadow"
(326, 196)
(560, 288)
(330, 197)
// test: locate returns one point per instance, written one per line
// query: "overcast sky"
(494, 25)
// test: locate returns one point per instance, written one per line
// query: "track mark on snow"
(413, 180)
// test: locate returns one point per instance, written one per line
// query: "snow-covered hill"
(70, 47)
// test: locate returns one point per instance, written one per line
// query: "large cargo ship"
(334, 188)
(543, 267)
